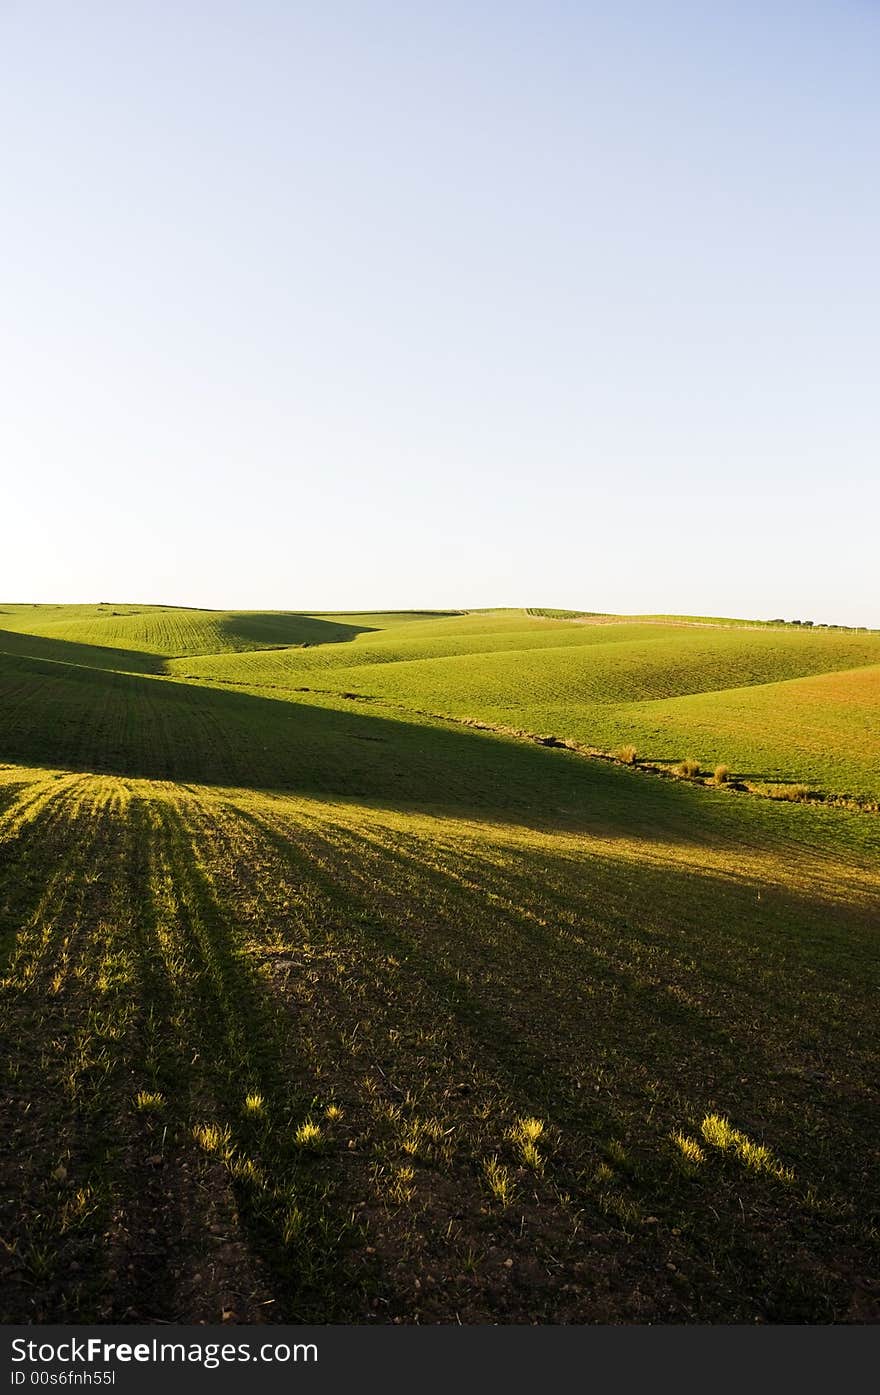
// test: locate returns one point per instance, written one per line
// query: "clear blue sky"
(408, 304)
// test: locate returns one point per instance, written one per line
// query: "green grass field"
(327, 996)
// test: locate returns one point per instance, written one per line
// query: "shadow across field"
(411, 979)
(62, 715)
(67, 651)
(268, 630)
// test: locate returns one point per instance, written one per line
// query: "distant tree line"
(810, 625)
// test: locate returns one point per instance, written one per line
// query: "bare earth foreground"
(320, 1006)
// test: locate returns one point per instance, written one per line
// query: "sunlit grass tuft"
(689, 767)
(254, 1104)
(793, 794)
(525, 1134)
(292, 1225)
(149, 1101)
(531, 1157)
(759, 1158)
(401, 1188)
(213, 1139)
(529, 1129)
(499, 1180)
(689, 1148)
(77, 1208)
(617, 1153)
(719, 1132)
(309, 1136)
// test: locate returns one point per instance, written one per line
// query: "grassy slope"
(166, 631)
(763, 701)
(433, 932)
(822, 730)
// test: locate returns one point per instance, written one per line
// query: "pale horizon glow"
(370, 306)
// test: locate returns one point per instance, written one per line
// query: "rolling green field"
(328, 995)
(774, 705)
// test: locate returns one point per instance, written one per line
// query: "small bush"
(688, 766)
(626, 754)
(796, 794)
(722, 774)
(800, 792)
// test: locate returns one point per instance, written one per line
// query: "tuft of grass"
(795, 794)
(689, 1148)
(525, 1134)
(617, 1153)
(719, 1132)
(401, 1189)
(531, 1157)
(333, 1113)
(528, 1129)
(246, 1170)
(759, 1158)
(254, 1104)
(626, 754)
(213, 1139)
(309, 1136)
(627, 1212)
(499, 1180)
(688, 767)
(722, 774)
(149, 1101)
(292, 1225)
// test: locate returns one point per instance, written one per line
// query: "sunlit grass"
(246, 1170)
(292, 1225)
(719, 1132)
(149, 1101)
(525, 1134)
(499, 1180)
(401, 1189)
(77, 1208)
(594, 973)
(529, 1129)
(689, 767)
(213, 1138)
(689, 1148)
(308, 1136)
